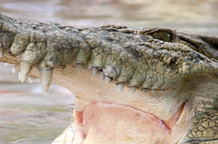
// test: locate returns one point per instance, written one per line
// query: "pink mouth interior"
(110, 120)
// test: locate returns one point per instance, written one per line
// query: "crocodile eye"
(161, 35)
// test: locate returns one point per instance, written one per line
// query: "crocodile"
(132, 86)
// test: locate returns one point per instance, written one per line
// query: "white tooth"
(101, 75)
(94, 70)
(19, 75)
(153, 91)
(162, 90)
(79, 67)
(38, 80)
(45, 78)
(144, 89)
(1, 51)
(13, 70)
(108, 69)
(6, 64)
(132, 89)
(120, 87)
(31, 79)
(25, 69)
(107, 79)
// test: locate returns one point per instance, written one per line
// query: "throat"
(116, 123)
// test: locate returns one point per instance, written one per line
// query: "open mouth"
(117, 118)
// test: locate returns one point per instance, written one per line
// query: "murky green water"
(30, 116)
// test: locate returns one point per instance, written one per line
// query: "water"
(27, 114)
(189, 15)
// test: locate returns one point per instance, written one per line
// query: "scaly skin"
(149, 59)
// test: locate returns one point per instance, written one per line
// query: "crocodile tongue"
(114, 123)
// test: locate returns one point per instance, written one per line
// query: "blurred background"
(27, 114)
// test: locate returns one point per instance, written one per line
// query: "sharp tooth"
(25, 69)
(30, 79)
(79, 67)
(144, 89)
(94, 70)
(162, 90)
(13, 70)
(120, 87)
(6, 64)
(107, 79)
(101, 75)
(45, 78)
(38, 81)
(132, 89)
(153, 91)
(19, 75)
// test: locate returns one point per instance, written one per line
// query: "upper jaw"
(137, 60)
(89, 88)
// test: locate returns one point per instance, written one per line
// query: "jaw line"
(168, 124)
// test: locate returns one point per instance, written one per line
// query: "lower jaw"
(114, 123)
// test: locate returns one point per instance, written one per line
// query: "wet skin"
(152, 85)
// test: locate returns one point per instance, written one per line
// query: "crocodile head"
(152, 85)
